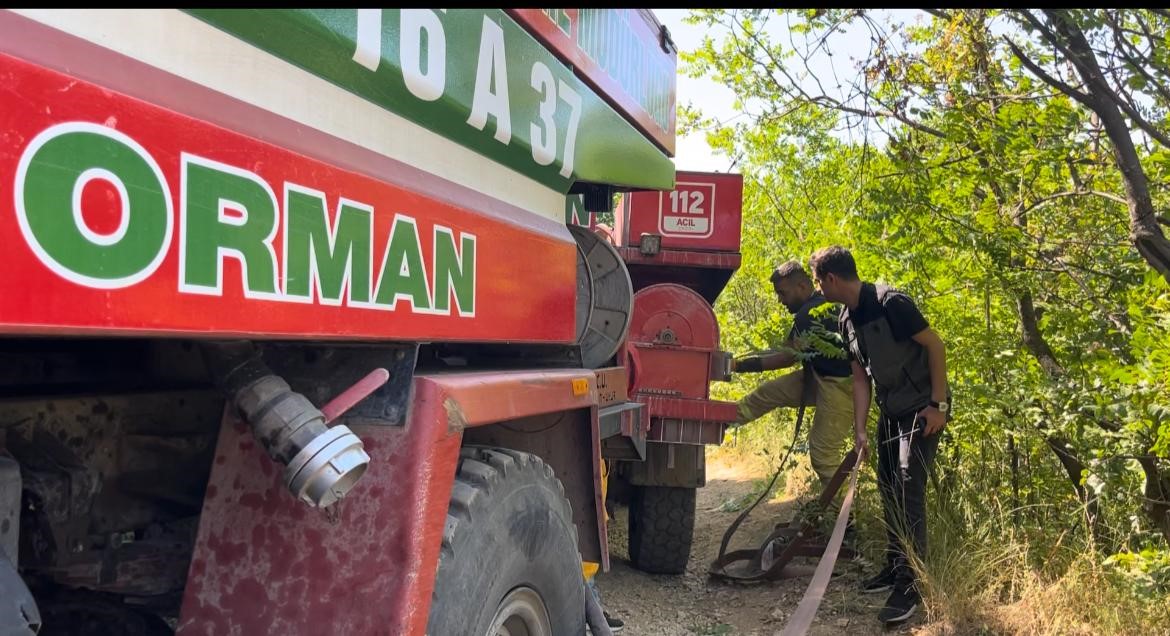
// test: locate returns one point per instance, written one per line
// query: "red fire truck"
(294, 337)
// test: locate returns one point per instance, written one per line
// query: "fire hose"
(800, 621)
(763, 564)
(719, 565)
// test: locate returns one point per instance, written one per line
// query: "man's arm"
(860, 410)
(768, 361)
(936, 353)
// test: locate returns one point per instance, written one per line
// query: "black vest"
(900, 370)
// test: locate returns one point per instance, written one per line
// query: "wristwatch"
(943, 407)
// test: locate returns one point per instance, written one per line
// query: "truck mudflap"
(265, 563)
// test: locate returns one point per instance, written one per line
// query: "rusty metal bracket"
(620, 430)
(324, 372)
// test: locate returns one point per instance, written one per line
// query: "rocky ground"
(693, 603)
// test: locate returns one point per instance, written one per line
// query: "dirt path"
(693, 603)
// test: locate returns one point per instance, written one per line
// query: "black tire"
(662, 525)
(509, 532)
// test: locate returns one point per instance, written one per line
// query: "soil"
(694, 603)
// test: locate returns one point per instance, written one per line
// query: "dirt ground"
(693, 603)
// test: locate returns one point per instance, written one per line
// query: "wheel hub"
(521, 613)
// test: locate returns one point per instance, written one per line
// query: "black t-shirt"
(905, 319)
(802, 322)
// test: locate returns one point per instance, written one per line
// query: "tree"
(1021, 210)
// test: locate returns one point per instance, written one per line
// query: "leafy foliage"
(1147, 571)
(967, 164)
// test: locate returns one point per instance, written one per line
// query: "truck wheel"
(662, 523)
(509, 562)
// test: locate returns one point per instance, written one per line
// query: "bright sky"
(692, 151)
(715, 100)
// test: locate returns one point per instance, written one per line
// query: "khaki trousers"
(832, 422)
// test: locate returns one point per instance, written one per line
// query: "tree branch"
(1034, 340)
(1074, 468)
(1145, 232)
(1123, 47)
(1046, 32)
(1045, 77)
(836, 104)
(1060, 195)
(1072, 40)
(779, 208)
(1157, 495)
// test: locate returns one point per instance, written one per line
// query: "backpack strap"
(846, 327)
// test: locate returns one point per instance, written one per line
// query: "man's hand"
(861, 445)
(935, 420)
(750, 364)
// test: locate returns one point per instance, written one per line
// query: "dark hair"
(791, 269)
(834, 260)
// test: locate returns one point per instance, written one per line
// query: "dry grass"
(994, 589)
(981, 581)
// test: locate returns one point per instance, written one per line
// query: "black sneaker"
(882, 582)
(901, 605)
(615, 624)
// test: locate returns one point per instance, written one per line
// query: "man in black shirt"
(891, 344)
(830, 391)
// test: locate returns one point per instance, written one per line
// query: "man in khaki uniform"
(832, 393)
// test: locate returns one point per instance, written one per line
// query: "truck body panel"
(296, 248)
(624, 54)
(689, 235)
(149, 53)
(500, 93)
(701, 213)
(473, 255)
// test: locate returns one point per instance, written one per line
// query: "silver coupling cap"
(327, 468)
